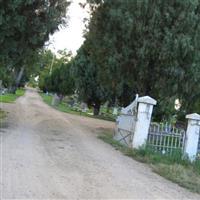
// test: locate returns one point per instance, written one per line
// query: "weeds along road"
(46, 154)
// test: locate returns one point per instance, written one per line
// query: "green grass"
(63, 107)
(10, 98)
(174, 168)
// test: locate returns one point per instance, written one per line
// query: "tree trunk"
(19, 76)
(96, 108)
(12, 89)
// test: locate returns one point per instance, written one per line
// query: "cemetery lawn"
(10, 98)
(173, 168)
(63, 107)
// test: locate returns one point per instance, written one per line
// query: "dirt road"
(46, 154)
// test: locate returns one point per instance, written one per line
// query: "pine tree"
(149, 47)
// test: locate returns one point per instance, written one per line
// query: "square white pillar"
(145, 109)
(192, 136)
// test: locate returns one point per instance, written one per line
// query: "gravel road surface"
(47, 154)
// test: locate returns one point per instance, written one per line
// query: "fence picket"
(165, 137)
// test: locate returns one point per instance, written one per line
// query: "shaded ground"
(47, 154)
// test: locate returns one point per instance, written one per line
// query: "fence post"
(192, 136)
(145, 109)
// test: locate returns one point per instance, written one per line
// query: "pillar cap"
(147, 100)
(193, 116)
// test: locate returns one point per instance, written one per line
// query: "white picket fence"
(165, 138)
(135, 129)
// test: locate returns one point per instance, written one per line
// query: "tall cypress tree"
(150, 47)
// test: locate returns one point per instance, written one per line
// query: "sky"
(70, 37)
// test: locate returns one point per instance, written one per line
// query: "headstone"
(84, 107)
(55, 100)
(115, 111)
(71, 102)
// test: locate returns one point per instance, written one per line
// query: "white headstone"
(115, 111)
(84, 107)
(55, 100)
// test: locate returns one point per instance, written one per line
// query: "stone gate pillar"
(145, 109)
(192, 136)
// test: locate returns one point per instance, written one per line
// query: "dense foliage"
(149, 47)
(61, 81)
(86, 73)
(145, 47)
(55, 75)
(25, 26)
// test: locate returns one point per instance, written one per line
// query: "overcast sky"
(70, 38)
